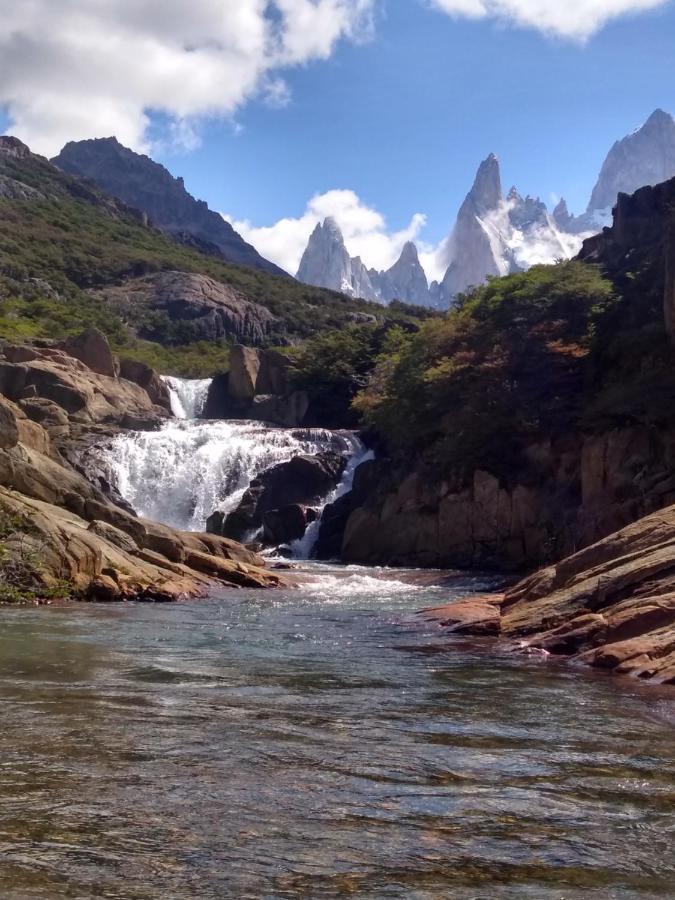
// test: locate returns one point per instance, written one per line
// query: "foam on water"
(180, 474)
(188, 395)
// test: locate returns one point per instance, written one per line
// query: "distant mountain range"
(496, 234)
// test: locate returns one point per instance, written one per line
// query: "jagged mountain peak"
(645, 157)
(486, 192)
(409, 253)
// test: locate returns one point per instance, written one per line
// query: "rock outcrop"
(574, 492)
(60, 536)
(327, 263)
(258, 386)
(282, 499)
(201, 307)
(610, 606)
(145, 185)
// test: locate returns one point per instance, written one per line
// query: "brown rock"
(92, 348)
(243, 375)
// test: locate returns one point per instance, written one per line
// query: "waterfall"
(303, 548)
(188, 395)
(180, 474)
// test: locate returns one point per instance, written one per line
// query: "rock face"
(327, 263)
(258, 386)
(645, 157)
(281, 500)
(405, 280)
(92, 348)
(611, 606)
(145, 185)
(205, 309)
(494, 236)
(574, 492)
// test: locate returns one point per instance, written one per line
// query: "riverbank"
(610, 606)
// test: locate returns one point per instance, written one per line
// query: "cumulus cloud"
(71, 69)
(574, 19)
(364, 230)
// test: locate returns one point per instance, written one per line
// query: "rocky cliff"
(327, 263)
(145, 185)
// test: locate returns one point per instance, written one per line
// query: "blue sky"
(400, 113)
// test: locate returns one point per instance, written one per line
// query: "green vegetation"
(58, 246)
(20, 565)
(332, 367)
(513, 362)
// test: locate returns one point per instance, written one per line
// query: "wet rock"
(243, 375)
(282, 526)
(303, 481)
(147, 378)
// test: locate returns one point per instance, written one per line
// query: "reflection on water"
(318, 743)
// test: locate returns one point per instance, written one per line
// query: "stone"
(92, 348)
(243, 375)
(282, 526)
(205, 309)
(303, 481)
(147, 378)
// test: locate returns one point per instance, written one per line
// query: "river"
(315, 742)
(319, 742)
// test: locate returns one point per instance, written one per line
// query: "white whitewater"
(303, 548)
(192, 467)
(188, 395)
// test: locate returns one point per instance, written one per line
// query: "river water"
(318, 742)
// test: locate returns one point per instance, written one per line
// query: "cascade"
(303, 548)
(188, 395)
(191, 467)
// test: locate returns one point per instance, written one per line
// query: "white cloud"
(574, 19)
(364, 230)
(71, 69)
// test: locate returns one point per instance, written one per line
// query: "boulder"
(302, 481)
(243, 375)
(92, 348)
(282, 526)
(287, 411)
(205, 309)
(147, 378)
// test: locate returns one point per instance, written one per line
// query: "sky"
(378, 112)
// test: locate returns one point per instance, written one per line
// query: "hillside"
(534, 419)
(64, 244)
(146, 185)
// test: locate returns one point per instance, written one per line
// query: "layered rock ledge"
(610, 606)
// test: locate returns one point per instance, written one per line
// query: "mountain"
(405, 280)
(494, 235)
(645, 157)
(72, 256)
(327, 263)
(146, 185)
